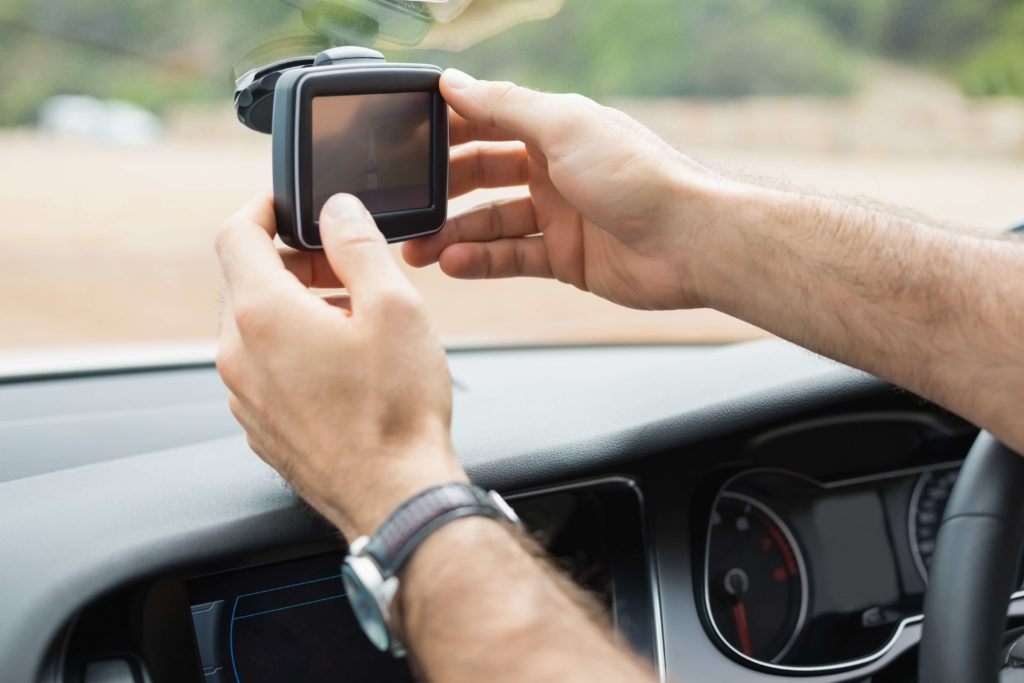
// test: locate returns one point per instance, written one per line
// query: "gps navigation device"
(349, 121)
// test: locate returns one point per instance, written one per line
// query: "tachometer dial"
(755, 581)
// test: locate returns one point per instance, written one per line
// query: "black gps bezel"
(292, 132)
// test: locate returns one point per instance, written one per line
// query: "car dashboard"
(282, 615)
(745, 513)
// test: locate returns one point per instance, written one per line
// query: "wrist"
(694, 229)
(725, 223)
(431, 574)
(363, 500)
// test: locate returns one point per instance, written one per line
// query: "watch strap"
(423, 514)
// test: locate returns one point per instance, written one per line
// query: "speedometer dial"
(755, 580)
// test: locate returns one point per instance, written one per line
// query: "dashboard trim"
(915, 551)
(849, 481)
(935, 422)
(1016, 599)
(915, 499)
(651, 559)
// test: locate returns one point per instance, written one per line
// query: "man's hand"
(607, 197)
(349, 399)
(613, 210)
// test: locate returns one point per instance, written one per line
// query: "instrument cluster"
(802, 575)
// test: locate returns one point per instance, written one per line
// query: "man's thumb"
(357, 250)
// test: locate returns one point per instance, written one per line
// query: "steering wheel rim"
(975, 568)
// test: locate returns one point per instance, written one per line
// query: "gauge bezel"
(801, 566)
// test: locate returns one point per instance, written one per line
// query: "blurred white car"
(109, 121)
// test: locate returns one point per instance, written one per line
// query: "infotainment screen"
(288, 621)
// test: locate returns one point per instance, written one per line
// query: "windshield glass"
(121, 151)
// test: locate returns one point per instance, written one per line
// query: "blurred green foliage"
(159, 53)
(935, 31)
(667, 47)
(729, 48)
(151, 52)
(996, 67)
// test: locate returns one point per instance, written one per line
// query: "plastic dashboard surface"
(110, 479)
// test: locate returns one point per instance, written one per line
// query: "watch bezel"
(365, 587)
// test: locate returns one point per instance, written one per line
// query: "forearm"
(476, 605)
(938, 313)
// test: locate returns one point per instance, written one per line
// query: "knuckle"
(229, 366)
(502, 91)
(400, 302)
(497, 220)
(477, 168)
(235, 406)
(616, 115)
(576, 107)
(250, 318)
(519, 258)
(578, 102)
(223, 236)
(257, 314)
(255, 447)
(225, 361)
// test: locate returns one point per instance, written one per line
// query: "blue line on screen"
(279, 609)
(291, 585)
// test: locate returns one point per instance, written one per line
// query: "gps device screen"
(375, 146)
(288, 621)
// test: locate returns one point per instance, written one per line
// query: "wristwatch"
(369, 570)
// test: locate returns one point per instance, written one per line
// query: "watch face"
(364, 606)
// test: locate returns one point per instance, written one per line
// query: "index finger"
(461, 130)
(245, 246)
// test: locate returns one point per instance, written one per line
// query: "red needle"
(739, 613)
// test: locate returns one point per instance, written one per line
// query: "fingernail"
(343, 206)
(458, 80)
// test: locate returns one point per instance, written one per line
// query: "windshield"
(120, 151)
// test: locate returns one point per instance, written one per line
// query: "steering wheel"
(974, 569)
